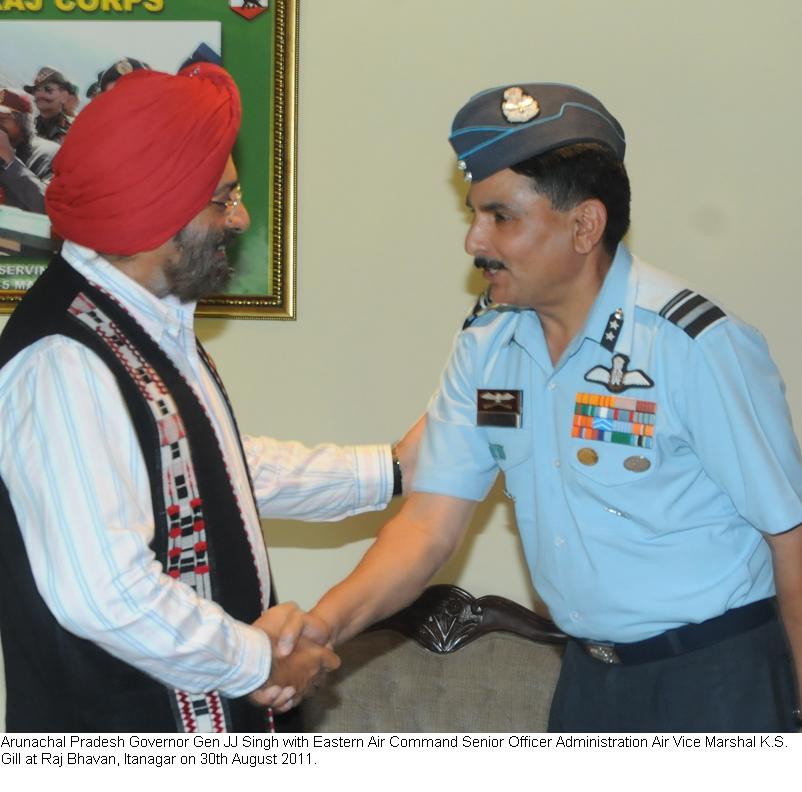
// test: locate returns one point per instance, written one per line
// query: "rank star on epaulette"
(617, 378)
(613, 329)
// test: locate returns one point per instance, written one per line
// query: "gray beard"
(200, 271)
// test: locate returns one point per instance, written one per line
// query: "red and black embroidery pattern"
(187, 558)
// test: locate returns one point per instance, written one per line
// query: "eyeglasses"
(234, 200)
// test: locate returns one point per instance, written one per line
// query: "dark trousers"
(741, 684)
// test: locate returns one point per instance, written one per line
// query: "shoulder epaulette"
(481, 307)
(691, 312)
(485, 311)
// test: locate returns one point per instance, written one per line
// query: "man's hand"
(300, 673)
(7, 152)
(295, 676)
(284, 624)
(300, 661)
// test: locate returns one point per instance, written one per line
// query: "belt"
(683, 639)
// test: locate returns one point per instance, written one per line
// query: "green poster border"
(261, 55)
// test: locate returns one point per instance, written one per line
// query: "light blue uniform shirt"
(617, 553)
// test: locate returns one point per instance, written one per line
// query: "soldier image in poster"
(50, 71)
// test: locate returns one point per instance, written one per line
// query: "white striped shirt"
(71, 461)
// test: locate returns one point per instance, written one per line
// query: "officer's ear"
(590, 220)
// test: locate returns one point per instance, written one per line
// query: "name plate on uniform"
(498, 407)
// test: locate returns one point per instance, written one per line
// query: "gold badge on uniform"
(587, 456)
(498, 407)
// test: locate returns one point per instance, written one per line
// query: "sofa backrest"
(448, 663)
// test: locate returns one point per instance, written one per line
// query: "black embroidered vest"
(56, 681)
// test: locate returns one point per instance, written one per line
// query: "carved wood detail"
(445, 618)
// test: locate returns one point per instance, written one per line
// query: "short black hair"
(571, 174)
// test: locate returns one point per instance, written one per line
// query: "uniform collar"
(157, 315)
(617, 294)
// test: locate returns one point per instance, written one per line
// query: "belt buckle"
(603, 652)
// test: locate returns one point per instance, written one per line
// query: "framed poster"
(257, 43)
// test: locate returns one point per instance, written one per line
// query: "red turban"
(144, 158)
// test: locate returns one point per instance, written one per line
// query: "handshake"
(302, 656)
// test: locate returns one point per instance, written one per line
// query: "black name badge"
(498, 407)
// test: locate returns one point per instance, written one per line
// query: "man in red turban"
(139, 164)
(135, 593)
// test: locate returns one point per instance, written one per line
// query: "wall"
(707, 91)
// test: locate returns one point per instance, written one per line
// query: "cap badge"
(519, 107)
(124, 67)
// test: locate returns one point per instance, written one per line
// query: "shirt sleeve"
(320, 484)
(455, 458)
(77, 480)
(741, 426)
(27, 189)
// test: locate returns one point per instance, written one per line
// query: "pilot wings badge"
(617, 378)
(498, 407)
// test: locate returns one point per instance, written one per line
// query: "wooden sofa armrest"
(445, 618)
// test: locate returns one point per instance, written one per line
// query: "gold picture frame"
(261, 53)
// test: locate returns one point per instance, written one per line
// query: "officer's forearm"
(402, 560)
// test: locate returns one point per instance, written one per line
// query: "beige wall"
(708, 92)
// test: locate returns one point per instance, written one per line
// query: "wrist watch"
(398, 483)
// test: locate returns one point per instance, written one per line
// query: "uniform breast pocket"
(611, 464)
(613, 438)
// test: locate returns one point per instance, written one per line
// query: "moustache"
(223, 240)
(489, 265)
(227, 237)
